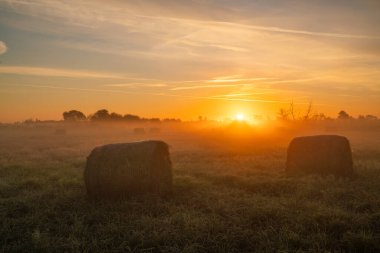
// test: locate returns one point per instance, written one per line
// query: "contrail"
(273, 29)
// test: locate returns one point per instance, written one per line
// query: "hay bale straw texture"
(127, 169)
(320, 154)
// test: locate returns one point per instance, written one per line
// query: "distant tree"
(115, 116)
(290, 114)
(291, 110)
(73, 115)
(283, 114)
(308, 111)
(130, 117)
(29, 121)
(155, 120)
(319, 116)
(343, 115)
(101, 115)
(370, 117)
(172, 120)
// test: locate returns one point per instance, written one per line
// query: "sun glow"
(239, 117)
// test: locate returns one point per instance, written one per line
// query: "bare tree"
(283, 114)
(291, 110)
(293, 115)
(319, 116)
(308, 111)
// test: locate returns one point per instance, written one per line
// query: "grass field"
(230, 195)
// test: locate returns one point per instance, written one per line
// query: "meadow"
(230, 195)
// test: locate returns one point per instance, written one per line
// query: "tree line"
(290, 114)
(104, 115)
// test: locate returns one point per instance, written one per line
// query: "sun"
(239, 117)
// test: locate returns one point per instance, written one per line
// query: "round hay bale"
(60, 131)
(320, 154)
(139, 130)
(127, 169)
(154, 130)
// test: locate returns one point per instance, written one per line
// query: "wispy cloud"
(299, 32)
(285, 101)
(43, 71)
(138, 85)
(129, 85)
(3, 47)
(292, 81)
(234, 79)
(203, 87)
(157, 85)
(245, 94)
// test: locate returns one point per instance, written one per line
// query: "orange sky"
(183, 59)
